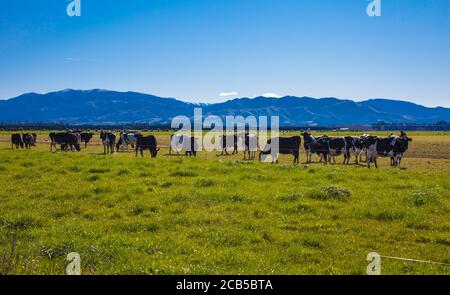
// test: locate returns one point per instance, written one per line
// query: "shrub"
(204, 183)
(183, 174)
(329, 193)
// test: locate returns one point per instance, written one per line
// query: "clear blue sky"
(195, 49)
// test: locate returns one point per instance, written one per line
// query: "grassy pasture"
(215, 215)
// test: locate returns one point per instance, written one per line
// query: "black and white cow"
(392, 146)
(340, 145)
(16, 140)
(65, 139)
(147, 142)
(127, 139)
(29, 140)
(108, 141)
(358, 147)
(86, 137)
(286, 145)
(315, 145)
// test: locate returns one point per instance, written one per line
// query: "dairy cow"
(147, 142)
(286, 145)
(392, 146)
(16, 140)
(108, 141)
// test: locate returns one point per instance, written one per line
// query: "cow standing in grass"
(125, 140)
(392, 146)
(147, 142)
(108, 141)
(315, 145)
(16, 140)
(286, 145)
(29, 140)
(65, 140)
(358, 147)
(344, 145)
(86, 138)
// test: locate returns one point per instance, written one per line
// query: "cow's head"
(155, 152)
(402, 143)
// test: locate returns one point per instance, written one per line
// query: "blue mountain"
(111, 107)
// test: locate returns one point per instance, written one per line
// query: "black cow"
(66, 140)
(315, 145)
(392, 146)
(108, 141)
(86, 137)
(16, 140)
(29, 140)
(286, 145)
(147, 142)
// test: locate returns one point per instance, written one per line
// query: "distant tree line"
(438, 126)
(379, 126)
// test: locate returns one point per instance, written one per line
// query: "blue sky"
(195, 50)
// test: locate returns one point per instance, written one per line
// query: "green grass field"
(221, 215)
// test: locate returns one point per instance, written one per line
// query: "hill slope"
(103, 106)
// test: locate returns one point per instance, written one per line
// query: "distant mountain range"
(112, 107)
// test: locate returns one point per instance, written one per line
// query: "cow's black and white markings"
(147, 142)
(16, 140)
(315, 145)
(286, 145)
(392, 146)
(108, 141)
(337, 146)
(358, 147)
(127, 139)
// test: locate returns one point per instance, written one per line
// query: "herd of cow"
(327, 148)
